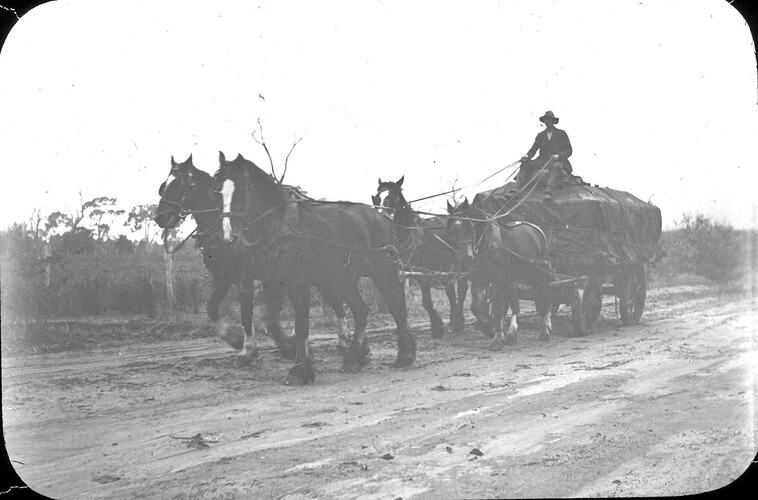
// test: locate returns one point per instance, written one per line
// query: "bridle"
(397, 198)
(474, 241)
(185, 187)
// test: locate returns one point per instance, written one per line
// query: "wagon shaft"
(432, 274)
(568, 284)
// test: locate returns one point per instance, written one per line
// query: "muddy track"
(663, 408)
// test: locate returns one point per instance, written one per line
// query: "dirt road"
(663, 408)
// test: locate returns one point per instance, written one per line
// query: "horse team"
(252, 228)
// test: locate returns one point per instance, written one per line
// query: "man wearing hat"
(553, 144)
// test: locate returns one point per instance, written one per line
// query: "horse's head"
(468, 227)
(462, 228)
(393, 195)
(186, 188)
(246, 190)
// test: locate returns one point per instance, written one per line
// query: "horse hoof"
(287, 349)
(404, 360)
(544, 336)
(300, 377)
(288, 354)
(496, 345)
(351, 366)
(437, 330)
(245, 360)
(236, 341)
(296, 380)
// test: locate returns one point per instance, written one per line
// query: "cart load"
(606, 235)
(588, 227)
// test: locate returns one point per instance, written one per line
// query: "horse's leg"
(499, 300)
(355, 357)
(426, 300)
(220, 288)
(249, 347)
(302, 372)
(480, 309)
(544, 309)
(450, 292)
(512, 334)
(392, 289)
(272, 297)
(343, 339)
(330, 297)
(460, 321)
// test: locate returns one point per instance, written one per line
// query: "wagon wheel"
(632, 294)
(586, 306)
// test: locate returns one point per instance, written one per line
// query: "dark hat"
(548, 116)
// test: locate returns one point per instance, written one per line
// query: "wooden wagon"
(601, 243)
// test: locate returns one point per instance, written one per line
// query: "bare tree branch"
(454, 188)
(262, 142)
(78, 215)
(281, 179)
(35, 221)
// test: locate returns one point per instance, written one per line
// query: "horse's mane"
(248, 169)
(242, 169)
(201, 176)
(404, 210)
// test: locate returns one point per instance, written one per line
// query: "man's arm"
(566, 150)
(529, 154)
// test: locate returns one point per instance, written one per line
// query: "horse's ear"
(376, 199)
(380, 180)
(239, 157)
(450, 208)
(400, 182)
(189, 160)
(221, 158)
(465, 204)
(173, 162)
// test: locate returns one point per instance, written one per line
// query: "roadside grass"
(114, 329)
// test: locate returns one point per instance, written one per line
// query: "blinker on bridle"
(178, 174)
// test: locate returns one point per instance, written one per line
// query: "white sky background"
(657, 96)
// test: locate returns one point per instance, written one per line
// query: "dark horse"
(302, 243)
(423, 243)
(503, 256)
(188, 190)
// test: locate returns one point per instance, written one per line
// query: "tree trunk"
(170, 294)
(48, 263)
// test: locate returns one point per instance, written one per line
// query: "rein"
(471, 186)
(178, 247)
(251, 222)
(195, 232)
(185, 213)
(533, 181)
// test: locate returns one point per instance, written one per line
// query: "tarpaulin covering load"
(588, 228)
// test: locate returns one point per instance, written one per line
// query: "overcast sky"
(658, 96)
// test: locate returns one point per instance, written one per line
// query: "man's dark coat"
(557, 144)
